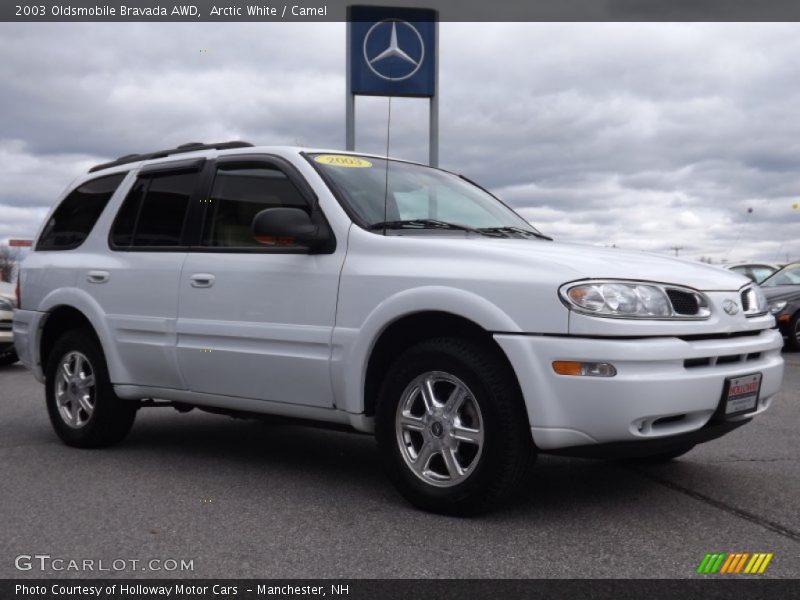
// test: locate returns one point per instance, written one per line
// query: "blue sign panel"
(392, 51)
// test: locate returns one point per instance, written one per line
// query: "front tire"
(452, 428)
(83, 408)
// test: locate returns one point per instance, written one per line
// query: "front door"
(255, 321)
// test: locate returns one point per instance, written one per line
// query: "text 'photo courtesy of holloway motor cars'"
(384, 296)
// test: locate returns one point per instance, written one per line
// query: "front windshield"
(417, 197)
(789, 275)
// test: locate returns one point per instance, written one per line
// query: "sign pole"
(350, 102)
(433, 119)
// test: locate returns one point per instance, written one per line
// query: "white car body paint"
(292, 334)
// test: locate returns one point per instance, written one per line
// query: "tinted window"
(238, 194)
(125, 223)
(154, 211)
(73, 220)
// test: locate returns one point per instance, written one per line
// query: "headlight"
(754, 302)
(776, 307)
(6, 304)
(624, 299)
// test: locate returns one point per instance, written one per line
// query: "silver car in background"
(8, 301)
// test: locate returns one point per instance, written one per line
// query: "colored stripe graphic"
(717, 564)
(764, 564)
(703, 563)
(741, 562)
(733, 562)
(732, 559)
(753, 562)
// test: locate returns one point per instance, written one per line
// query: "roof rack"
(190, 147)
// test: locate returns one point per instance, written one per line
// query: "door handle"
(202, 280)
(97, 276)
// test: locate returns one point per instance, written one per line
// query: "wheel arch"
(70, 309)
(411, 329)
(356, 336)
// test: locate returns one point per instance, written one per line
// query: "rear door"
(138, 290)
(256, 321)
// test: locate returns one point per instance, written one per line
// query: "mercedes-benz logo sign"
(730, 307)
(393, 49)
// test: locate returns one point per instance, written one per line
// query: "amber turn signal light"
(584, 369)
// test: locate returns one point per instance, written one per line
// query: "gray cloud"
(643, 135)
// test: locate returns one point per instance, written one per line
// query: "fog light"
(586, 369)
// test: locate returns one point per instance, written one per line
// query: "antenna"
(386, 187)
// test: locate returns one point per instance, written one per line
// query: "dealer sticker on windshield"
(742, 394)
(342, 160)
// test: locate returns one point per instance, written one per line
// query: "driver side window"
(239, 193)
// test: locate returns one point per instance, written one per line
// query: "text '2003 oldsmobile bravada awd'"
(412, 304)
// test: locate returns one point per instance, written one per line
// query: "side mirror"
(285, 226)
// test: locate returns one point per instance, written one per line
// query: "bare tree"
(8, 263)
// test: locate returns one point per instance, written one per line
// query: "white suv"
(385, 296)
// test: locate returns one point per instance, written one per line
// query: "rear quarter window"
(73, 220)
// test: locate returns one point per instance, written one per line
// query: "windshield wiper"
(422, 224)
(517, 230)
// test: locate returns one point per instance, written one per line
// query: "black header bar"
(449, 10)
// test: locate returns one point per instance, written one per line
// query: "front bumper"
(655, 395)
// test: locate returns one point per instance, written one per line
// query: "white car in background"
(385, 296)
(8, 355)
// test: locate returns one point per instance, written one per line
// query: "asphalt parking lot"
(247, 499)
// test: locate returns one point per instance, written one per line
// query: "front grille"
(683, 303)
(5, 325)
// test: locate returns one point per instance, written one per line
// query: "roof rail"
(190, 147)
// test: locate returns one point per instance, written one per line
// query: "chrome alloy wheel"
(439, 429)
(75, 389)
(797, 330)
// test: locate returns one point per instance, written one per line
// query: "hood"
(569, 262)
(782, 292)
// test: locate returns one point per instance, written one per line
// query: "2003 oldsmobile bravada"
(412, 304)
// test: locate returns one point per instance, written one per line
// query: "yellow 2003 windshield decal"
(342, 160)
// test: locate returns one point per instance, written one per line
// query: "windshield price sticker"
(342, 160)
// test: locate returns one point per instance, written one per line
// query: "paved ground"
(244, 499)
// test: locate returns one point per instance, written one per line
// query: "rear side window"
(239, 194)
(73, 220)
(154, 212)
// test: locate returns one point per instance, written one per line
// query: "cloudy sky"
(646, 136)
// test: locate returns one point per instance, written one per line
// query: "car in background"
(8, 301)
(782, 290)
(758, 272)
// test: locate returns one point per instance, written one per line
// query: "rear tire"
(452, 428)
(83, 408)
